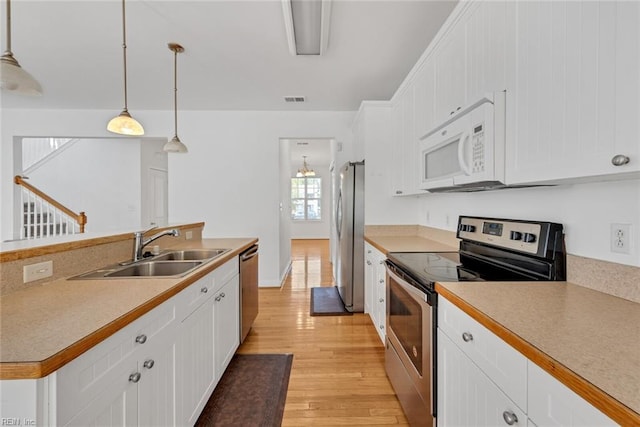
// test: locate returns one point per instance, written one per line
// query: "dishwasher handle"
(249, 253)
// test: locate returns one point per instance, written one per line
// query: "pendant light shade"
(123, 123)
(13, 77)
(175, 145)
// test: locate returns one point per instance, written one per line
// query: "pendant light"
(12, 76)
(304, 170)
(175, 145)
(123, 123)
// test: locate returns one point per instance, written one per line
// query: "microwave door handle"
(461, 150)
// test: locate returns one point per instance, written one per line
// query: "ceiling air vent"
(294, 99)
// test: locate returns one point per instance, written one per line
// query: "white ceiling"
(236, 55)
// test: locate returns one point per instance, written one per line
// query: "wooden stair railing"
(44, 216)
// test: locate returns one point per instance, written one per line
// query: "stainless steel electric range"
(490, 250)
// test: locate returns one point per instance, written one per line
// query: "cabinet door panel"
(466, 396)
(226, 324)
(157, 388)
(196, 368)
(552, 404)
(115, 405)
(576, 102)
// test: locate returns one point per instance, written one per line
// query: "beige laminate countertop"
(44, 327)
(588, 340)
(388, 244)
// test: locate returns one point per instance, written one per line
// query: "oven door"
(410, 347)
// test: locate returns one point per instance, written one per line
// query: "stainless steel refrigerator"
(349, 220)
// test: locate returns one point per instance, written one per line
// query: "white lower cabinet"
(375, 288)
(226, 324)
(551, 403)
(160, 370)
(466, 396)
(482, 381)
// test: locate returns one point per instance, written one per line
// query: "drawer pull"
(218, 298)
(620, 160)
(381, 300)
(381, 327)
(509, 417)
(148, 363)
(466, 337)
(381, 280)
(204, 290)
(222, 295)
(134, 378)
(141, 339)
(368, 262)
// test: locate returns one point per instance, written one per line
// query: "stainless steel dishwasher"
(248, 289)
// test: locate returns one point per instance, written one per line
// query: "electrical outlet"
(620, 238)
(189, 235)
(38, 271)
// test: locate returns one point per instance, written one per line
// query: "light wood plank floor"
(338, 376)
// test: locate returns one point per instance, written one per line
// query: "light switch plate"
(37, 271)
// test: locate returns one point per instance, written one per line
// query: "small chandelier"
(123, 123)
(304, 170)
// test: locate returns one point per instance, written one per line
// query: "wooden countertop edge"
(610, 406)
(17, 254)
(35, 370)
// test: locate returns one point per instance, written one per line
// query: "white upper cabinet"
(577, 91)
(451, 81)
(404, 157)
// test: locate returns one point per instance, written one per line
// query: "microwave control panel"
(477, 148)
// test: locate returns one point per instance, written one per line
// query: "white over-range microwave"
(466, 152)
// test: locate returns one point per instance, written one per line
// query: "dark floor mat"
(252, 392)
(326, 301)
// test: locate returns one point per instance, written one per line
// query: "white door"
(156, 210)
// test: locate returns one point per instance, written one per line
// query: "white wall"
(585, 210)
(100, 177)
(315, 229)
(229, 178)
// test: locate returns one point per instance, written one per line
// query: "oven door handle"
(415, 292)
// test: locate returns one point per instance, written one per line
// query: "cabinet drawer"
(506, 367)
(80, 381)
(551, 403)
(224, 273)
(193, 296)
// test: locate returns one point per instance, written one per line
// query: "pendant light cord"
(8, 51)
(124, 53)
(175, 92)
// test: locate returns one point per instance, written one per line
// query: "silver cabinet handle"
(204, 290)
(620, 160)
(368, 262)
(148, 363)
(381, 280)
(141, 339)
(398, 191)
(509, 417)
(134, 378)
(222, 295)
(368, 251)
(381, 327)
(218, 298)
(466, 337)
(381, 300)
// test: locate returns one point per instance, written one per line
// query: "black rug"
(252, 392)
(326, 301)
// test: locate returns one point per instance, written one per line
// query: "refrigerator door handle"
(339, 215)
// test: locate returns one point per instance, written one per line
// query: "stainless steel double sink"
(169, 264)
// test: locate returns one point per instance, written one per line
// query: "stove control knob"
(463, 227)
(516, 235)
(471, 228)
(529, 237)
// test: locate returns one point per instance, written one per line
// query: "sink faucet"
(139, 243)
